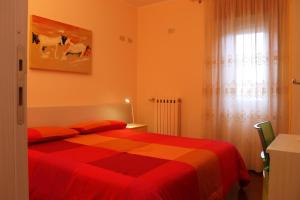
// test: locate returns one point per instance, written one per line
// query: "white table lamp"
(132, 114)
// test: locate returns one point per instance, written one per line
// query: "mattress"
(127, 165)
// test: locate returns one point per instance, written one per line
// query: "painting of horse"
(60, 47)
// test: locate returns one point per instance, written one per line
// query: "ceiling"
(143, 2)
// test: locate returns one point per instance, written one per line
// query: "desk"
(284, 177)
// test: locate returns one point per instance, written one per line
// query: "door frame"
(13, 66)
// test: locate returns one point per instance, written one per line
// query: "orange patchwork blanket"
(127, 165)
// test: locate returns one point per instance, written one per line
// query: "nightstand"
(137, 127)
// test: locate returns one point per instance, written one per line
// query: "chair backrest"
(266, 133)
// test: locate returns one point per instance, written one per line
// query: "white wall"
(114, 62)
(171, 64)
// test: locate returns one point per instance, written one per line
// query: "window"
(251, 51)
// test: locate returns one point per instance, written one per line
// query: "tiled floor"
(252, 192)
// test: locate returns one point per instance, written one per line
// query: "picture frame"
(58, 46)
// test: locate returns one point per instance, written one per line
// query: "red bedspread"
(127, 165)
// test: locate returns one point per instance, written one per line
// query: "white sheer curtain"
(246, 72)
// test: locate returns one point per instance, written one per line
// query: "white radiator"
(167, 116)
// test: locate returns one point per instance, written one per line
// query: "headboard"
(63, 116)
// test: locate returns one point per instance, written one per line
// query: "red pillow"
(98, 126)
(41, 134)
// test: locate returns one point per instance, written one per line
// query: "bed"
(126, 165)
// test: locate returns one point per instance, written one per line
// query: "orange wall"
(295, 63)
(158, 63)
(170, 64)
(114, 62)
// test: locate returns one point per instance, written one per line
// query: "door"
(295, 63)
(13, 144)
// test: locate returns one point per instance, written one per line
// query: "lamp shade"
(127, 100)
